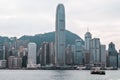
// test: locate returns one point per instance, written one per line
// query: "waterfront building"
(24, 61)
(112, 56)
(52, 53)
(95, 52)
(42, 55)
(86, 52)
(78, 56)
(31, 55)
(60, 36)
(24, 57)
(14, 62)
(103, 55)
(68, 55)
(86, 55)
(3, 63)
(10, 61)
(45, 55)
(88, 37)
(6, 51)
(41, 62)
(17, 63)
(73, 53)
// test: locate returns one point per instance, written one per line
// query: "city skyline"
(59, 55)
(17, 16)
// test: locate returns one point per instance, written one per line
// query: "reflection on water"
(60, 75)
(56, 75)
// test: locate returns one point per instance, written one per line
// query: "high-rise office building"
(42, 55)
(95, 51)
(88, 37)
(6, 47)
(14, 62)
(24, 58)
(103, 55)
(68, 55)
(17, 62)
(112, 56)
(3, 63)
(31, 55)
(45, 55)
(52, 53)
(10, 61)
(60, 36)
(78, 56)
(73, 52)
(86, 55)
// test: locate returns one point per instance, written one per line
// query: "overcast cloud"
(29, 17)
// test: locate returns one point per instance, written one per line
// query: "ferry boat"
(98, 71)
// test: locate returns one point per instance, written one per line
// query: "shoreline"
(57, 69)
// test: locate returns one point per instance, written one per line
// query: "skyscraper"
(60, 36)
(78, 56)
(68, 55)
(52, 53)
(103, 55)
(112, 55)
(95, 51)
(31, 55)
(88, 37)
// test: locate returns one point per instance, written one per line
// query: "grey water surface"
(56, 75)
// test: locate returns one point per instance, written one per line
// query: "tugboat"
(99, 72)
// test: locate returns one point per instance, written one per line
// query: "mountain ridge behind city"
(50, 37)
(46, 37)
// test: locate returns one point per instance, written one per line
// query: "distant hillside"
(4, 39)
(46, 37)
(50, 37)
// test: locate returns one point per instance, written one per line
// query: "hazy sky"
(29, 17)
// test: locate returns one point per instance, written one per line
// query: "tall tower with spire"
(60, 35)
(88, 37)
(87, 54)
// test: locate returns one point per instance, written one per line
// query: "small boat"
(99, 72)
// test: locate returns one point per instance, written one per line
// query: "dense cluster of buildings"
(19, 54)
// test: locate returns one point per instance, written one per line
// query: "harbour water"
(57, 75)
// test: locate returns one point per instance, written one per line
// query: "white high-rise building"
(60, 36)
(31, 55)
